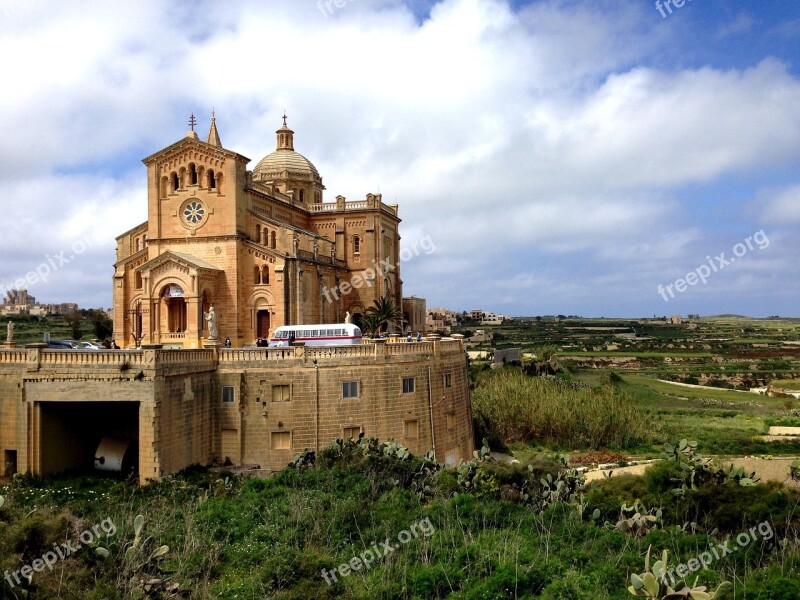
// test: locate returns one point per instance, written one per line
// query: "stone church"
(263, 249)
(259, 246)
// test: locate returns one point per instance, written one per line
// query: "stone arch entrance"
(174, 314)
(262, 314)
(263, 321)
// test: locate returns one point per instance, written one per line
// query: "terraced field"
(654, 361)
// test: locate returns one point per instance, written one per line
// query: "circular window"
(194, 212)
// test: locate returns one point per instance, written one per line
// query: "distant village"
(442, 320)
(19, 302)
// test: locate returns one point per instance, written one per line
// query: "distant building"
(444, 314)
(19, 302)
(414, 314)
(506, 356)
(434, 325)
(487, 318)
(18, 298)
(493, 319)
(481, 335)
(676, 320)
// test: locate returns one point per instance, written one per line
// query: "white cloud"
(559, 134)
(782, 207)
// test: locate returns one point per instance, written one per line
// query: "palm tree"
(370, 323)
(385, 311)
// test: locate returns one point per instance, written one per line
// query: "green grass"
(671, 389)
(271, 538)
(786, 384)
(634, 353)
(722, 421)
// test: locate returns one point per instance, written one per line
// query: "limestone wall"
(240, 406)
(279, 412)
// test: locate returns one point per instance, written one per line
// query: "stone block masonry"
(237, 406)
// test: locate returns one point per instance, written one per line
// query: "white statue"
(211, 317)
(10, 337)
(348, 318)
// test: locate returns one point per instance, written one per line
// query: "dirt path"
(768, 469)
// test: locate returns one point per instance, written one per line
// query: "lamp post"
(137, 313)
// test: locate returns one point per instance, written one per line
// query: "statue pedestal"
(9, 345)
(212, 343)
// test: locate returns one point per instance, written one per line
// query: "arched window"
(219, 182)
(137, 280)
(192, 174)
(175, 182)
(302, 196)
(356, 244)
(258, 234)
(182, 177)
(261, 275)
(212, 181)
(272, 240)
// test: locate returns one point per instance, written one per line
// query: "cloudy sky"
(563, 156)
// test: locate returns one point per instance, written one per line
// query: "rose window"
(194, 212)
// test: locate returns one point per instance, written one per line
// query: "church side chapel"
(261, 248)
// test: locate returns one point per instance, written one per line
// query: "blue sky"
(563, 156)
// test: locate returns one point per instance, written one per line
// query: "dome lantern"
(285, 136)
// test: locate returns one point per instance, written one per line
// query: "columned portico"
(176, 318)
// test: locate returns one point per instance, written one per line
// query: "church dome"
(284, 163)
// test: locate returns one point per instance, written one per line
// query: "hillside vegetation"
(482, 531)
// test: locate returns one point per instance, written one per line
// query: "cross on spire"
(284, 118)
(192, 121)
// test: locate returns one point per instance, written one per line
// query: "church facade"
(260, 246)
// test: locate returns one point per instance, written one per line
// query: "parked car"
(88, 346)
(62, 345)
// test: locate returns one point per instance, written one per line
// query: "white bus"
(336, 334)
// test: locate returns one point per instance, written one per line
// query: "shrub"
(510, 407)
